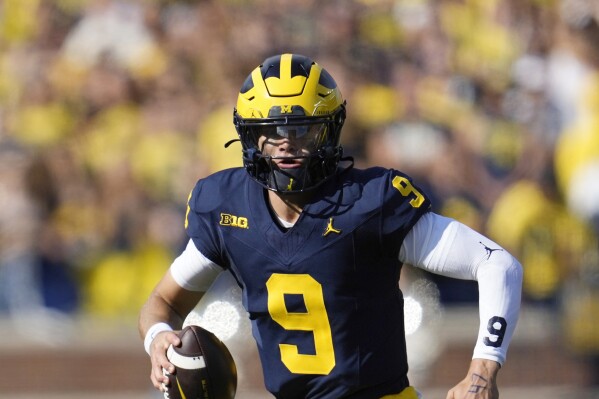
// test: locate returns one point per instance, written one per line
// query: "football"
(204, 367)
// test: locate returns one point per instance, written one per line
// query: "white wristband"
(152, 332)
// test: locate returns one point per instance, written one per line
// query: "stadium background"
(110, 110)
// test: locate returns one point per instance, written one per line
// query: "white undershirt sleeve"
(194, 271)
(444, 246)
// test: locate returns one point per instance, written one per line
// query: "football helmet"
(290, 97)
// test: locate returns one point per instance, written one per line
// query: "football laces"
(164, 386)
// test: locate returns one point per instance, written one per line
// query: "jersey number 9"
(315, 320)
(405, 187)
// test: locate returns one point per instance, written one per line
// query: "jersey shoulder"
(212, 191)
(207, 200)
(393, 194)
(386, 185)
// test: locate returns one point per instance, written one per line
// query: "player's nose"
(287, 146)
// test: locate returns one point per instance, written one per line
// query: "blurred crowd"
(110, 110)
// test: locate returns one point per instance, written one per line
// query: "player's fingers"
(161, 364)
(173, 338)
(160, 376)
(160, 347)
(166, 338)
(158, 383)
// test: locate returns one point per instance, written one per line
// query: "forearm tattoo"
(479, 383)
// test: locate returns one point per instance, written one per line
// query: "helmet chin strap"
(292, 180)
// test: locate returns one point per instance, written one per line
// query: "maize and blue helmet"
(290, 96)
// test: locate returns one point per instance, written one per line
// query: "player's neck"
(288, 206)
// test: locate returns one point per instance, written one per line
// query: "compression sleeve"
(194, 271)
(444, 246)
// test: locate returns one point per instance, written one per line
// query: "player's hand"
(480, 382)
(158, 350)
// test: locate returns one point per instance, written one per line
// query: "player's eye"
(270, 132)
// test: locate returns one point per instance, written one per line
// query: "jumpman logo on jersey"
(330, 229)
(489, 250)
(290, 185)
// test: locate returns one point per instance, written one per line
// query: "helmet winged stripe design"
(290, 90)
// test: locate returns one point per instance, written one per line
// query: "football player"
(317, 247)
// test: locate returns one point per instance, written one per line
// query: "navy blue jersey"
(323, 296)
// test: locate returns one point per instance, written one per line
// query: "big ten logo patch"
(234, 221)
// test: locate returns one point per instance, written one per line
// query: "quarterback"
(317, 247)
